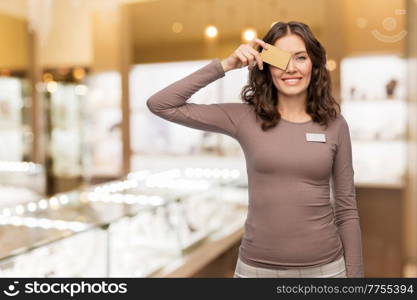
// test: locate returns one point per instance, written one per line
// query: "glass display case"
(14, 119)
(82, 126)
(375, 107)
(152, 136)
(60, 253)
(62, 95)
(21, 182)
(128, 228)
(66, 136)
(102, 126)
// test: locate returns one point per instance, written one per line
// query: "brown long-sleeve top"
(291, 222)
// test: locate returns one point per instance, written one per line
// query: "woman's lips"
(291, 81)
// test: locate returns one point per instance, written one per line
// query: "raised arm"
(346, 211)
(170, 103)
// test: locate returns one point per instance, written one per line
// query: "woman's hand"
(245, 55)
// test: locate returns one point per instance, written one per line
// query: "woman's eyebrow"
(298, 52)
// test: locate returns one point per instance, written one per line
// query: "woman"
(296, 143)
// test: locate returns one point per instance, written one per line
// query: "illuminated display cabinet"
(375, 107)
(129, 228)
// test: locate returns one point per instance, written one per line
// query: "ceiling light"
(211, 31)
(249, 34)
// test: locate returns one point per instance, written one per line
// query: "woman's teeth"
(291, 81)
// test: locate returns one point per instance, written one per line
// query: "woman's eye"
(302, 57)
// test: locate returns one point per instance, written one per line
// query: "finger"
(251, 65)
(248, 55)
(257, 41)
(262, 43)
(246, 50)
(242, 58)
(258, 57)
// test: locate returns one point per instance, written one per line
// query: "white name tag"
(316, 137)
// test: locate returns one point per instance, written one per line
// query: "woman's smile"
(292, 80)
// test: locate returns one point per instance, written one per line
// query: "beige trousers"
(330, 270)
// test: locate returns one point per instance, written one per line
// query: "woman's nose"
(290, 66)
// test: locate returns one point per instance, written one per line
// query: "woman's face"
(296, 78)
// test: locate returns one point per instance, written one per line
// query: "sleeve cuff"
(355, 271)
(218, 65)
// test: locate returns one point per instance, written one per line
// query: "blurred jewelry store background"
(93, 184)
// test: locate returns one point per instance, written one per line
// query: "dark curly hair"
(261, 92)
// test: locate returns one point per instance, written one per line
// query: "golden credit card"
(276, 56)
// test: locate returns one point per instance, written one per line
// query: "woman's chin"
(292, 91)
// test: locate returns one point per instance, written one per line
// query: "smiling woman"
(291, 227)
(303, 90)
